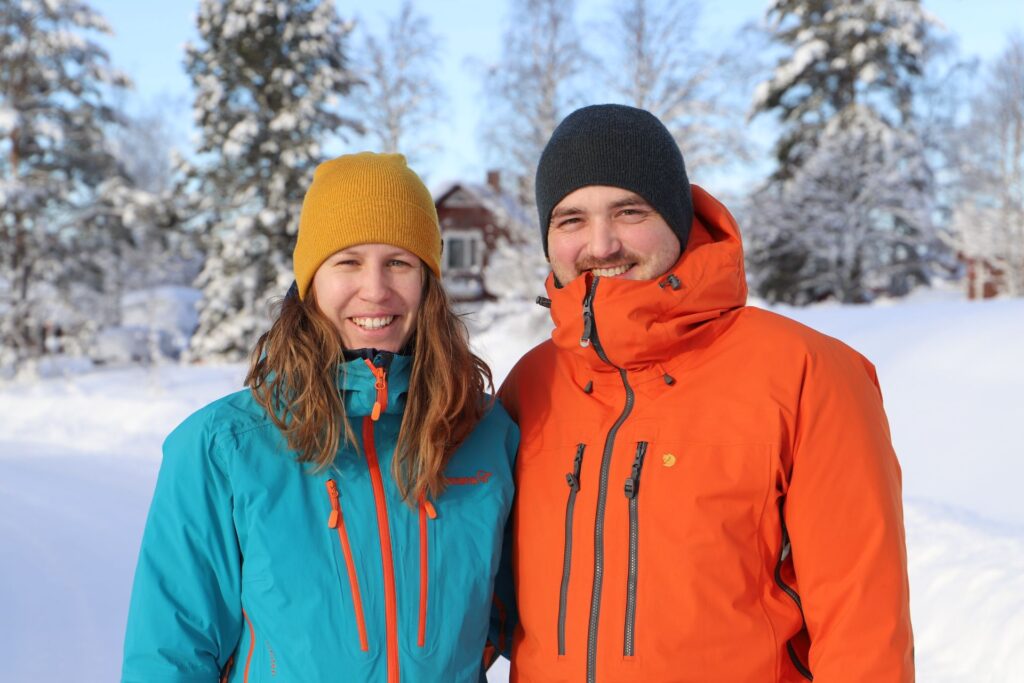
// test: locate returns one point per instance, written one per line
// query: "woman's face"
(371, 293)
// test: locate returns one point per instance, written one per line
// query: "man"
(706, 491)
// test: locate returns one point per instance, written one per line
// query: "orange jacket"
(706, 491)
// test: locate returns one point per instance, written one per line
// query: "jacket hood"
(641, 323)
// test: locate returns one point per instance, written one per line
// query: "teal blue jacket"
(253, 567)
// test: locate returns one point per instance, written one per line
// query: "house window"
(463, 251)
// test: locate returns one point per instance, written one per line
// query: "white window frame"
(474, 250)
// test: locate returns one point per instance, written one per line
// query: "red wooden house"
(474, 216)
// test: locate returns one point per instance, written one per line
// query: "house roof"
(503, 207)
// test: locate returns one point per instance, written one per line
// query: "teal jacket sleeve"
(503, 607)
(504, 617)
(185, 616)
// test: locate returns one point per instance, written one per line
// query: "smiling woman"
(309, 513)
(371, 293)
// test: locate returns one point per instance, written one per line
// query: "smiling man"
(706, 491)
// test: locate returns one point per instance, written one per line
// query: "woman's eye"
(346, 262)
(399, 263)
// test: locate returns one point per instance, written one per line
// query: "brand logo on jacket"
(273, 660)
(481, 477)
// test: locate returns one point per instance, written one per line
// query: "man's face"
(610, 232)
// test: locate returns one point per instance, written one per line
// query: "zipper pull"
(633, 482)
(332, 491)
(381, 385)
(573, 478)
(671, 281)
(429, 507)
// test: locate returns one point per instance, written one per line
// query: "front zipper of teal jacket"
(383, 524)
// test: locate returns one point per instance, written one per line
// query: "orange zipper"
(381, 385)
(390, 600)
(252, 647)
(336, 521)
(426, 510)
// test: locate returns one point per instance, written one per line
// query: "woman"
(342, 518)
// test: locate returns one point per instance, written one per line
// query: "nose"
(375, 285)
(604, 239)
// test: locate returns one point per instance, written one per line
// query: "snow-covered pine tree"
(840, 54)
(268, 77)
(845, 226)
(55, 88)
(847, 80)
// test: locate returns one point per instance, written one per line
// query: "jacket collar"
(358, 384)
(646, 323)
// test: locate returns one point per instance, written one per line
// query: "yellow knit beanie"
(365, 198)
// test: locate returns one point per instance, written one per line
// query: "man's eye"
(567, 222)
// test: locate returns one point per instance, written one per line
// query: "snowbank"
(78, 459)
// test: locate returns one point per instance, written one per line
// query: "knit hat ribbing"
(362, 199)
(620, 146)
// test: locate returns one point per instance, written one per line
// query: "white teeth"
(610, 272)
(373, 323)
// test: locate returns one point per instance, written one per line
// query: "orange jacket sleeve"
(844, 513)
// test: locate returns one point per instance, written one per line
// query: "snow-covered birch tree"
(401, 96)
(988, 221)
(56, 85)
(656, 63)
(532, 87)
(269, 78)
(527, 92)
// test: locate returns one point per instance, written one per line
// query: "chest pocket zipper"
(573, 479)
(337, 521)
(632, 490)
(427, 511)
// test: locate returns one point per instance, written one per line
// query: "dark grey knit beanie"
(620, 146)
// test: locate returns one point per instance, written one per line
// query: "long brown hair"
(293, 374)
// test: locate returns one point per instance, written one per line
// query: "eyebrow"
(628, 200)
(565, 211)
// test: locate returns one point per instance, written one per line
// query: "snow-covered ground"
(78, 459)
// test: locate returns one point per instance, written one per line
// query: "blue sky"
(149, 38)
